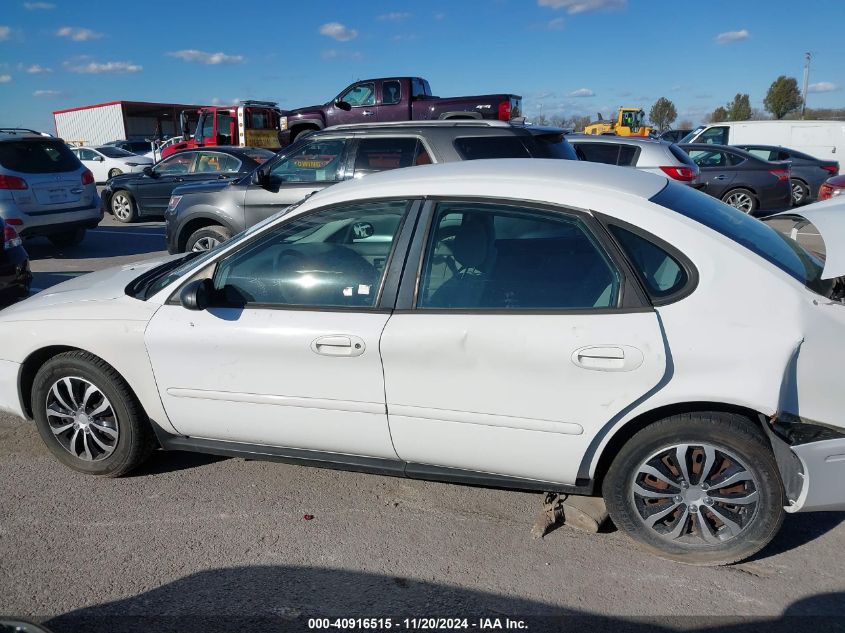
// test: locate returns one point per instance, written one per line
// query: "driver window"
(176, 164)
(360, 95)
(318, 161)
(714, 136)
(331, 258)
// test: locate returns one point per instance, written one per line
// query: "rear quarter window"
(661, 273)
(473, 148)
(38, 157)
(553, 146)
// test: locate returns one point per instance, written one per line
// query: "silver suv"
(44, 189)
(647, 154)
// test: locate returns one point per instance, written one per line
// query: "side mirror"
(342, 105)
(261, 176)
(99, 159)
(148, 171)
(197, 294)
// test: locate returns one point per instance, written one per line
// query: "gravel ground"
(200, 543)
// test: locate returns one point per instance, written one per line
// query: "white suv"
(44, 189)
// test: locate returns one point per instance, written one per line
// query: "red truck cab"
(247, 124)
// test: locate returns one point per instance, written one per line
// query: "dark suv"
(201, 216)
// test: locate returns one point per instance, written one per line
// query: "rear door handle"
(338, 345)
(368, 113)
(608, 357)
(720, 177)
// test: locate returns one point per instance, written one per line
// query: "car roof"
(437, 123)
(16, 134)
(518, 178)
(609, 138)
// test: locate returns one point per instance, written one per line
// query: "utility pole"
(807, 58)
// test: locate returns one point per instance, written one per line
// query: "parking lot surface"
(226, 540)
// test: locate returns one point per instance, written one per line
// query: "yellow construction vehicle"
(629, 122)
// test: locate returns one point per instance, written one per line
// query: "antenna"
(807, 58)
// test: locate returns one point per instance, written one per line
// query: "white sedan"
(542, 325)
(107, 161)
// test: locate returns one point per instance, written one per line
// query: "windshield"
(759, 238)
(688, 138)
(114, 152)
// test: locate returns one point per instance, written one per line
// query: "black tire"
(750, 453)
(800, 192)
(122, 206)
(202, 239)
(68, 238)
(135, 439)
(115, 172)
(296, 132)
(741, 193)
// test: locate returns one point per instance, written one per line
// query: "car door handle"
(719, 177)
(338, 345)
(608, 357)
(178, 179)
(368, 113)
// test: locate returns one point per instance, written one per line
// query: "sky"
(565, 57)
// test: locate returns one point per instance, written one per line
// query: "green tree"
(663, 113)
(718, 115)
(740, 108)
(783, 97)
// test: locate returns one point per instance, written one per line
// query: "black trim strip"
(357, 463)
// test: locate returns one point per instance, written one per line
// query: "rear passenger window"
(661, 274)
(498, 257)
(607, 153)
(473, 148)
(381, 154)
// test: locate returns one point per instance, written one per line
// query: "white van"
(820, 139)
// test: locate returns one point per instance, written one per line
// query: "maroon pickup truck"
(395, 99)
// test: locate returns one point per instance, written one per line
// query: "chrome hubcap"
(695, 494)
(205, 243)
(741, 201)
(121, 206)
(82, 419)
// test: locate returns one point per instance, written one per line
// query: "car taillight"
(826, 191)
(87, 177)
(832, 169)
(780, 174)
(10, 238)
(505, 110)
(12, 182)
(174, 202)
(15, 221)
(684, 174)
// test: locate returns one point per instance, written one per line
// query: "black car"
(202, 216)
(15, 276)
(674, 136)
(808, 173)
(133, 147)
(741, 179)
(130, 196)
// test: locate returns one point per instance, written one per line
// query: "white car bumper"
(823, 464)
(10, 401)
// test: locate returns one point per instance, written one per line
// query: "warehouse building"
(116, 120)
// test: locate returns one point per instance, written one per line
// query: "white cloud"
(333, 53)
(555, 25)
(46, 93)
(582, 92)
(78, 34)
(439, 16)
(5, 32)
(86, 67)
(37, 69)
(211, 59)
(338, 31)
(582, 6)
(822, 86)
(35, 6)
(215, 100)
(4, 79)
(732, 36)
(395, 16)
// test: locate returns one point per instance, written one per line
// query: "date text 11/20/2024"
(417, 624)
